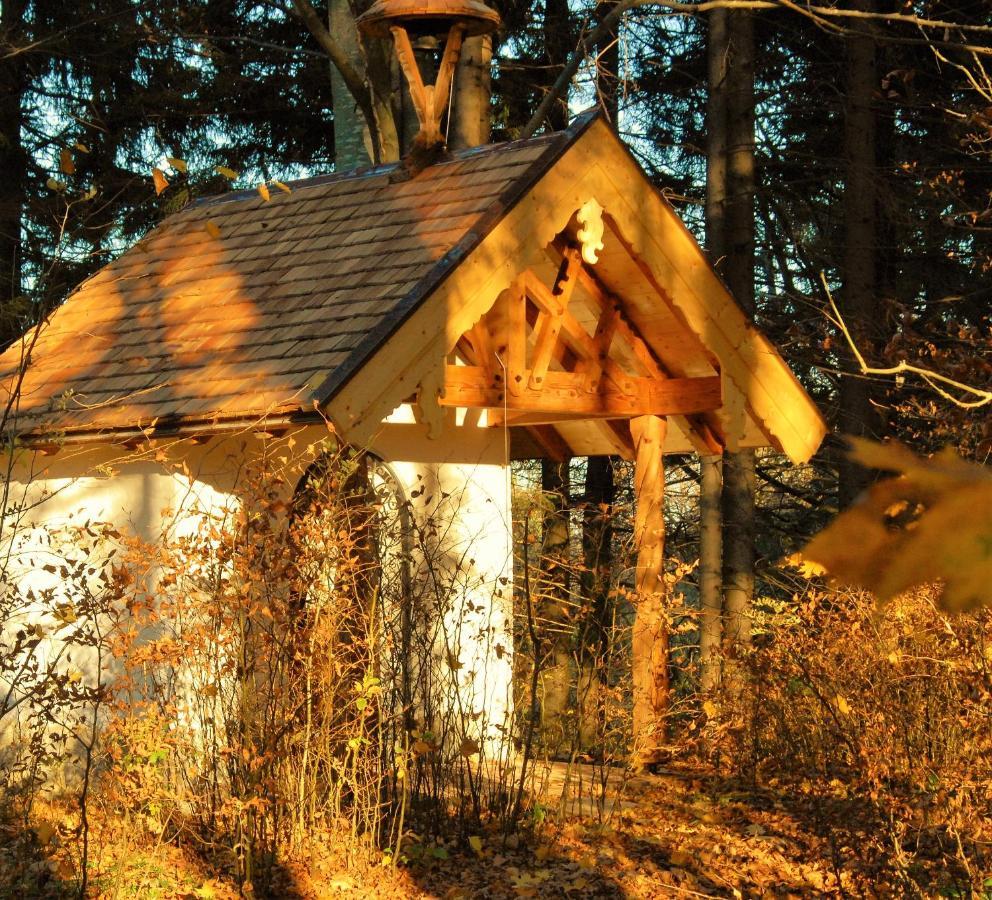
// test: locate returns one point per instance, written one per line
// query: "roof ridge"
(577, 124)
(558, 143)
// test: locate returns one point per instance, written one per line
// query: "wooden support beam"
(615, 433)
(429, 101)
(510, 328)
(550, 319)
(606, 328)
(564, 394)
(649, 638)
(548, 327)
(482, 346)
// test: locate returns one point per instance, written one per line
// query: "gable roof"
(347, 294)
(236, 307)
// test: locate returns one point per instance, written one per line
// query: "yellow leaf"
(475, 842)
(66, 163)
(161, 182)
(82, 148)
(230, 174)
(894, 658)
(806, 567)
(74, 676)
(178, 164)
(285, 188)
(930, 524)
(843, 706)
(263, 192)
(53, 184)
(709, 707)
(212, 229)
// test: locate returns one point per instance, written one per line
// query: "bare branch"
(935, 380)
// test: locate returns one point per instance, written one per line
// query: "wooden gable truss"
(546, 354)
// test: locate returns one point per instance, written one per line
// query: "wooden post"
(649, 642)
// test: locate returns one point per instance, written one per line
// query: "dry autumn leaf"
(178, 164)
(285, 188)
(161, 182)
(228, 173)
(931, 523)
(263, 192)
(66, 162)
(212, 229)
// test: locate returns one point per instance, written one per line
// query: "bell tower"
(444, 24)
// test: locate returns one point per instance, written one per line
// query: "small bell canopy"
(428, 17)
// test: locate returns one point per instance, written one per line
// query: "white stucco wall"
(459, 495)
(463, 571)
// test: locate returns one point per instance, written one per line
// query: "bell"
(437, 22)
(428, 17)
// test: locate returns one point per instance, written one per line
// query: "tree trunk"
(856, 300)
(554, 611)
(557, 48)
(649, 639)
(730, 185)
(13, 163)
(470, 117)
(608, 79)
(711, 480)
(710, 576)
(597, 558)
(737, 499)
(351, 150)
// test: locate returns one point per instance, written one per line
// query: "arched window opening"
(351, 530)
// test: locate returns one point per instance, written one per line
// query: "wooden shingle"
(187, 325)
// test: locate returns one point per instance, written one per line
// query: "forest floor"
(682, 833)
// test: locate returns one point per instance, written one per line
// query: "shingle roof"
(237, 307)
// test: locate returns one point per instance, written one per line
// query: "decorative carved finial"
(590, 235)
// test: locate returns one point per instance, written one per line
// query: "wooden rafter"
(700, 431)
(551, 442)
